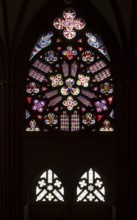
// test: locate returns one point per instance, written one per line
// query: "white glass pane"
(90, 176)
(41, 195)
(49, 176)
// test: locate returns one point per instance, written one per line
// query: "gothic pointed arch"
(91, 187)
(69, 86)
(48, 188)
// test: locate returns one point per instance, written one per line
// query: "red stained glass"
(69, 85)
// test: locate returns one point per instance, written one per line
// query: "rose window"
(69, 84)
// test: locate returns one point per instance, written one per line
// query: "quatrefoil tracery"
(69, 24)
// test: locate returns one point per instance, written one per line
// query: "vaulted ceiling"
(116, 12)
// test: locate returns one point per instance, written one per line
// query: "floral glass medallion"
(69, 23)
(69, 53)
(69, 86)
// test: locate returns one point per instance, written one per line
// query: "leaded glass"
(95, 41)
(43, 41)
(91, 187)
(75, 122)
(69, 24)
(49, 188)
(69, 84)
(64, 121)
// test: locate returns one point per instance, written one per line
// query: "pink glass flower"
(101, 105)
(56, 80)
(69, 53)
(32, 88)
(38, 105)
(69, 88)
(87, 56)
(83, 80)
(70, 103)
(69, 24)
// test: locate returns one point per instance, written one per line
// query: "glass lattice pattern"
(91, 187)
(49, 188)
(69, 84)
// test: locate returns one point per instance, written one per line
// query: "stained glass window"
(91, 187)
(49, 188)
(69, 85)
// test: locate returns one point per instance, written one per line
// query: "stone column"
(10, 149)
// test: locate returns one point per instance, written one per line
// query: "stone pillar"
(10, 149)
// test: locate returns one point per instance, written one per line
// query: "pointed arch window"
(49, 188)
(91, 187)
(69, 85)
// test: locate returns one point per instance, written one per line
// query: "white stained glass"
(82, 195)
(82, 183)
(37, 190)
(41, 195)
(42, 183)
(90, 176)
(44, 175)
(58, 195)
(97, 175)
(49, 188)
(50, 197)
(49, 176)
(62, 191)
(58, 183)
(90, 187)
(103, 190)
(97, 193)
(55, 176)
(78, 190)
(84, 176)
(90, 197)
(98, 183)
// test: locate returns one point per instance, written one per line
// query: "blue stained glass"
(27, 114)
(95, 41)
(112, 114)
(42, 42)
(69, 85)
(103, 50)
